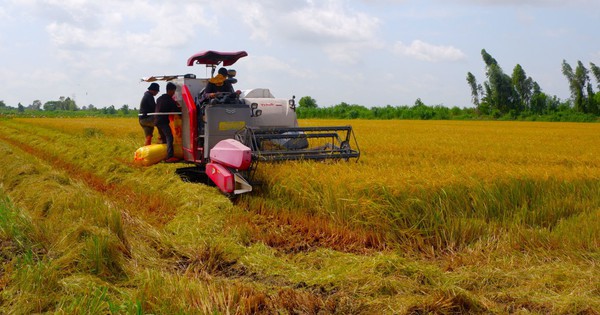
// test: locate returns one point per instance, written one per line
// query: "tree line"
(421, 111)
(64, 106)
(501, 96)
(519, 94)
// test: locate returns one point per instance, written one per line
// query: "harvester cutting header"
(227, 134)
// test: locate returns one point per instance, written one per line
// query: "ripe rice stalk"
(451, 200)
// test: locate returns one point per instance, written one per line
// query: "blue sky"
(367, 52)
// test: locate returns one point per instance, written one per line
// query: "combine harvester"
(227, 137)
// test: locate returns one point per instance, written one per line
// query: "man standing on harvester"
(166, 104)
(148, 106)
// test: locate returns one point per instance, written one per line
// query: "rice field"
(440, 217)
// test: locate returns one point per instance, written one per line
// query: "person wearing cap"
(147, 106)
(218, 84)
(166, 104)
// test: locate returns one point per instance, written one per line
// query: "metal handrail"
(160, 114)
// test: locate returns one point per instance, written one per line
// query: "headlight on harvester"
(255, 112)
(292, 102)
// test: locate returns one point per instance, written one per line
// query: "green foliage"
(124, 109)
(36, 105)
(475, 88)
(519, 97)
(65, 107)
(523, 87)
(542, 108)
(582, 92)
(307, 102)
(110, 110)
(62, 104)
(90, 111)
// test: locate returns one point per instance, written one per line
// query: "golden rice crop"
(436, 216)
(448, 182)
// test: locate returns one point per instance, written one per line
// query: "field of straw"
(441, 217)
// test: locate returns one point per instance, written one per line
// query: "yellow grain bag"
(154, 153)
(176, 124)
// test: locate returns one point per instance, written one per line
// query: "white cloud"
(253, 15)
(270, 64)
(333, 22)
(331, 25)
(427, 52)
(114, 38)
(536, 3)
(86, 24)
(343, 33)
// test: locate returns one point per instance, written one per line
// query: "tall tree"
(578, 84)
(51, 105)
(503, 95)
(596, 72)
(500, 94)
(472, 81)
(488, 59)
(523, 86)
(124, 109)
(69, 104)
(538, 100)
(36, 105)
(582, 77)
(594, 98)
(591, 105)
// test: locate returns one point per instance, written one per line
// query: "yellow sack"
(176, 124)
(154, 153)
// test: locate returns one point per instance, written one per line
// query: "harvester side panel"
(189, 125)
(222, 122)
(275, 113)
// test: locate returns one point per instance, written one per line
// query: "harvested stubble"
(441, 217)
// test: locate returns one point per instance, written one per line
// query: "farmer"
(221, 83)
(147, 106)
(165, 104)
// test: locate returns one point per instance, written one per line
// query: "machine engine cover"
(231, 153)
(275, 112)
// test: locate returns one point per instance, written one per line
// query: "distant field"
(436, 217)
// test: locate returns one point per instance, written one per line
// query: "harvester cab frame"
(228, 136)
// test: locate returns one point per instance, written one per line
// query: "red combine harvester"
(227, 136)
